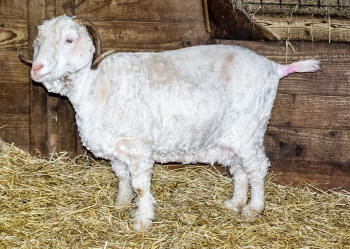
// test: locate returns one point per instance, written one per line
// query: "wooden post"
(51, 117)
(37, 94)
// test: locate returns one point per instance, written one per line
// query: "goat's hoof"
(231, 205)
(250, 213)
(141, 225)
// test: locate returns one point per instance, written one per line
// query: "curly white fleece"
(203, 104)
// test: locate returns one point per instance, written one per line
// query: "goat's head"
(64, 45)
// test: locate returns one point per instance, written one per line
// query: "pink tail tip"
(301, 67)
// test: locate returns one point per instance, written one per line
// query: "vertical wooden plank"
(59, 115)
(52, 101)
(51, 116)
(50, 8)
(79, 148)
(65, 116)
(38, 100)
(65, 7)
(66, 140)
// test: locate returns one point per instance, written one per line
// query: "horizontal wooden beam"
(313, 111)
(322, 146)
(297, 7)
(179, 11)
(305, 28)
(14, 9)
(323, 176)
(151, 36)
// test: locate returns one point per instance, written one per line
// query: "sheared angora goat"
(207, 104)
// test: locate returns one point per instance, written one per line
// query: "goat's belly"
(188, 122)
(210, 155)
(182, 147)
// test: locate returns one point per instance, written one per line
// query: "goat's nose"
(37, 66)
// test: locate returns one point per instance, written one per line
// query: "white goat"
(201, 104)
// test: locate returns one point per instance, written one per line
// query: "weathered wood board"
(308, 145)
(172, 11)
(149, 36)
(299, 7)
(11, 69)
(14, 98)
(14, 128)
(313, 111)
(14, 9)
(305, 28)
(310, 20)
(14, 87)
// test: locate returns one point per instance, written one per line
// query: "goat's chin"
(38, 78)
(57, 86)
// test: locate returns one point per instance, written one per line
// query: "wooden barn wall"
(309, 134)
(14, 87)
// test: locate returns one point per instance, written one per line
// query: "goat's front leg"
(141, 174)
(137, 157)
(125, 190)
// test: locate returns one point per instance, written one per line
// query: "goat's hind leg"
(256, 203)
(257, 167)
(240, 180)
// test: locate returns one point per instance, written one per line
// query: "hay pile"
(69, 203)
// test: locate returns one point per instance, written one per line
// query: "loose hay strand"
(69, 203)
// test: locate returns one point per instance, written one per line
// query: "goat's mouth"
(37, 76)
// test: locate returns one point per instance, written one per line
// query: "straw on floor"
(69, 203)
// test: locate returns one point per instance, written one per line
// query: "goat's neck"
(81, 85)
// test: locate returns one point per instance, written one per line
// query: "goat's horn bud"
(25, 61)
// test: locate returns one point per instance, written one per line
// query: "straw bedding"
(69, 203)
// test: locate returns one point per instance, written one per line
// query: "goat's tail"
(311, 65)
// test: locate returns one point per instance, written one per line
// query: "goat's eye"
(69, 41)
